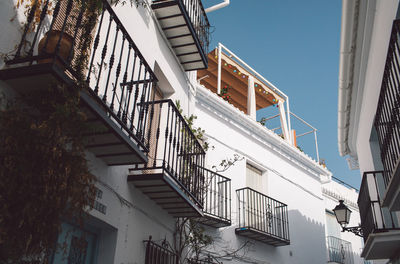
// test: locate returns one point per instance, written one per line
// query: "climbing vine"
(44, 177)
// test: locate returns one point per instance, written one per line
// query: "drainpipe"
(346, 71)
(217, 6)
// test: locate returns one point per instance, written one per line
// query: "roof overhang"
(356, 32)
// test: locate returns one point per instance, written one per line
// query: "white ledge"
(261, 133)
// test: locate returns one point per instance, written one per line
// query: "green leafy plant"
(224, 94)
(225, 164)
(44, 176)
(197, 131)
(263, 121)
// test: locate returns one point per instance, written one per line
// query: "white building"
(367, 118)
(268, 207)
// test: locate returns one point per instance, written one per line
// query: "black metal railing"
(217, 195)
(197, 17)
(262, 213)
(387, 119)
(159, 254)
(207, 260)
(374, 218)
(92, 47)
(339, 250)
(175, 150)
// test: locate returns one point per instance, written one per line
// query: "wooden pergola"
(235, 82)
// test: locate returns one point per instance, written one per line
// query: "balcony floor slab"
(164, 191)
(213, 221)
(383, 245)
(105, 138)
(261, 236)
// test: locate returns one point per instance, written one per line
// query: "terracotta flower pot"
(53, 38)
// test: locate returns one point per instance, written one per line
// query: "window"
(332, 226)
(254, 179)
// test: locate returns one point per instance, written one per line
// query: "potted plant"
(70, 33)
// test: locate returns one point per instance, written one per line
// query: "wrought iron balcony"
(173, 177)
(387, 121)
(381, 229)
(93, 52)
(217, 199)
(262, 218)
(156, 253)
(186, 26)
(207, 260)
(339, 251)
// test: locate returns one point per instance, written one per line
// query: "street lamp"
(342, 213)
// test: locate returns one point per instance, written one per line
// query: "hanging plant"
(37, 6)
(224, 94)
(44, 176)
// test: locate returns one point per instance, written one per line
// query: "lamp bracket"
(357, 230)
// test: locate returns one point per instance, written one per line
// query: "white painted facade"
(126, 217)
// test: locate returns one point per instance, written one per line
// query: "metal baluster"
(124, 80)
(77, 25)
(150, 130)
(136, 94)
(173, 114)
(67, 11)
(229, 192)
(190, 150)
(95, 45)
(130, 88)
(166, 134)
(103, 55)
(29, 20)
(178, 148)
(184, 149)
(239, 206)
(118, 71)
(174, 149)
(42, 16)
(149, 85)
(148, 252)
(111, 63)
(143, 108)
(182, 146)
(158, 133)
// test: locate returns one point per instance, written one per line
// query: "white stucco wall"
(133, 216)
(290, 180)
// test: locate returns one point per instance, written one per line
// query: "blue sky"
(295, 45)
